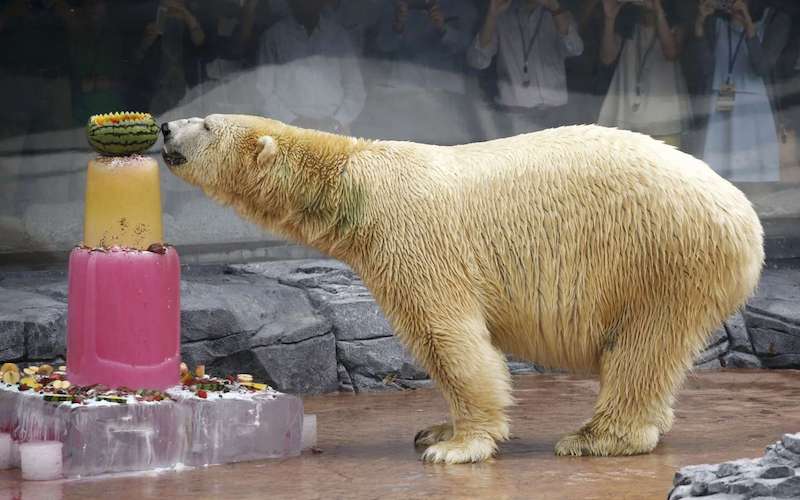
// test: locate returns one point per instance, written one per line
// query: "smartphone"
(418, 4)
(161, 18)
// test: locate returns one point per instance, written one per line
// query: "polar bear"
(581, 247)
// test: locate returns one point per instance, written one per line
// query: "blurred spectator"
(741, 43)
(173, 20)
(35, 93)
(422, 82)
(357, 17)
(97, 58)
(531, 39)
(309, 74)
(648, 90)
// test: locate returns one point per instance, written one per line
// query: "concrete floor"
(366, 452)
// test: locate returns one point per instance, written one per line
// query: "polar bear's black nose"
(165, 130)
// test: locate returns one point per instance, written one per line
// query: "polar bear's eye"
(205, 126)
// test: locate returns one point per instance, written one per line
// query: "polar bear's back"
(582, 222)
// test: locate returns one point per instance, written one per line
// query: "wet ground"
(366, 452)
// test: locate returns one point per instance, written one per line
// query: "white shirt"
(546, 73)
(660, 107)
(315, 76)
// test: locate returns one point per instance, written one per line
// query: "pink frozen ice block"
(123, 322)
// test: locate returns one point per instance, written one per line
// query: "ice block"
(123, 318)
(102, 437)
(237, 429)
(41, 460)
(309, 432)
(5, 451)
(123, 202)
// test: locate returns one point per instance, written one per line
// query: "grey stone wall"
(311, 326)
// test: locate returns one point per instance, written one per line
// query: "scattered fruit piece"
(245, 377)
(66, 384)
(62, 368)
(114, 399)
(184, 369)
(45, 370)
(28, 381)
(200, 371)
(11, 377)
(202, 394)
(58, 398)
(31, 370)
(56, 384)
(255, 386)
(9, 367)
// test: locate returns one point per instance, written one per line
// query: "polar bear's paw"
(589, 442)
(461, 450)
(433, 434)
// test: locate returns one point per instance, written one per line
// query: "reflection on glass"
(718, 79)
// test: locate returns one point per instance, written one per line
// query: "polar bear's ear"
(266, 150)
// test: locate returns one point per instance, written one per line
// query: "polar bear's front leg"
(473, 377)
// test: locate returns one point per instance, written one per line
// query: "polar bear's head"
(269, 171)
(219, 152)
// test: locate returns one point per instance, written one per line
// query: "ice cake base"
(104, 437)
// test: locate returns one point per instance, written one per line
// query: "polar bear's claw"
(433, 434)
(461, 450)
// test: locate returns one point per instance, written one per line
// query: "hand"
(497, 7)
(705, 9)
(611, 8)
(741, 15)
(400, 16)
(437, 18)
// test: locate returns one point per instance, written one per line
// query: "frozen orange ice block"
(123, 318)
(123, 202)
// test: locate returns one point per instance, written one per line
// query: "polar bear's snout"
(178, 135)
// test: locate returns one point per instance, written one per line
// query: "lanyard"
(732, 56)
(642, 59)
(526, 49)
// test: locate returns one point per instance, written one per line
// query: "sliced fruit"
(45, 370)
(244, 377)
(255, 386)
(121, 134)
(31, 370)
(9, 367)
(114, 399)
(200, 371)
(28, 381)
(58, 398)
(11, 377)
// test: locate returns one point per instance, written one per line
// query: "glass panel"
(716, 78)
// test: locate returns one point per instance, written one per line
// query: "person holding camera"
(173, 20)
(648, 90)
(531, 39)
(419, 87)
(308, 72)
(738, 43)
